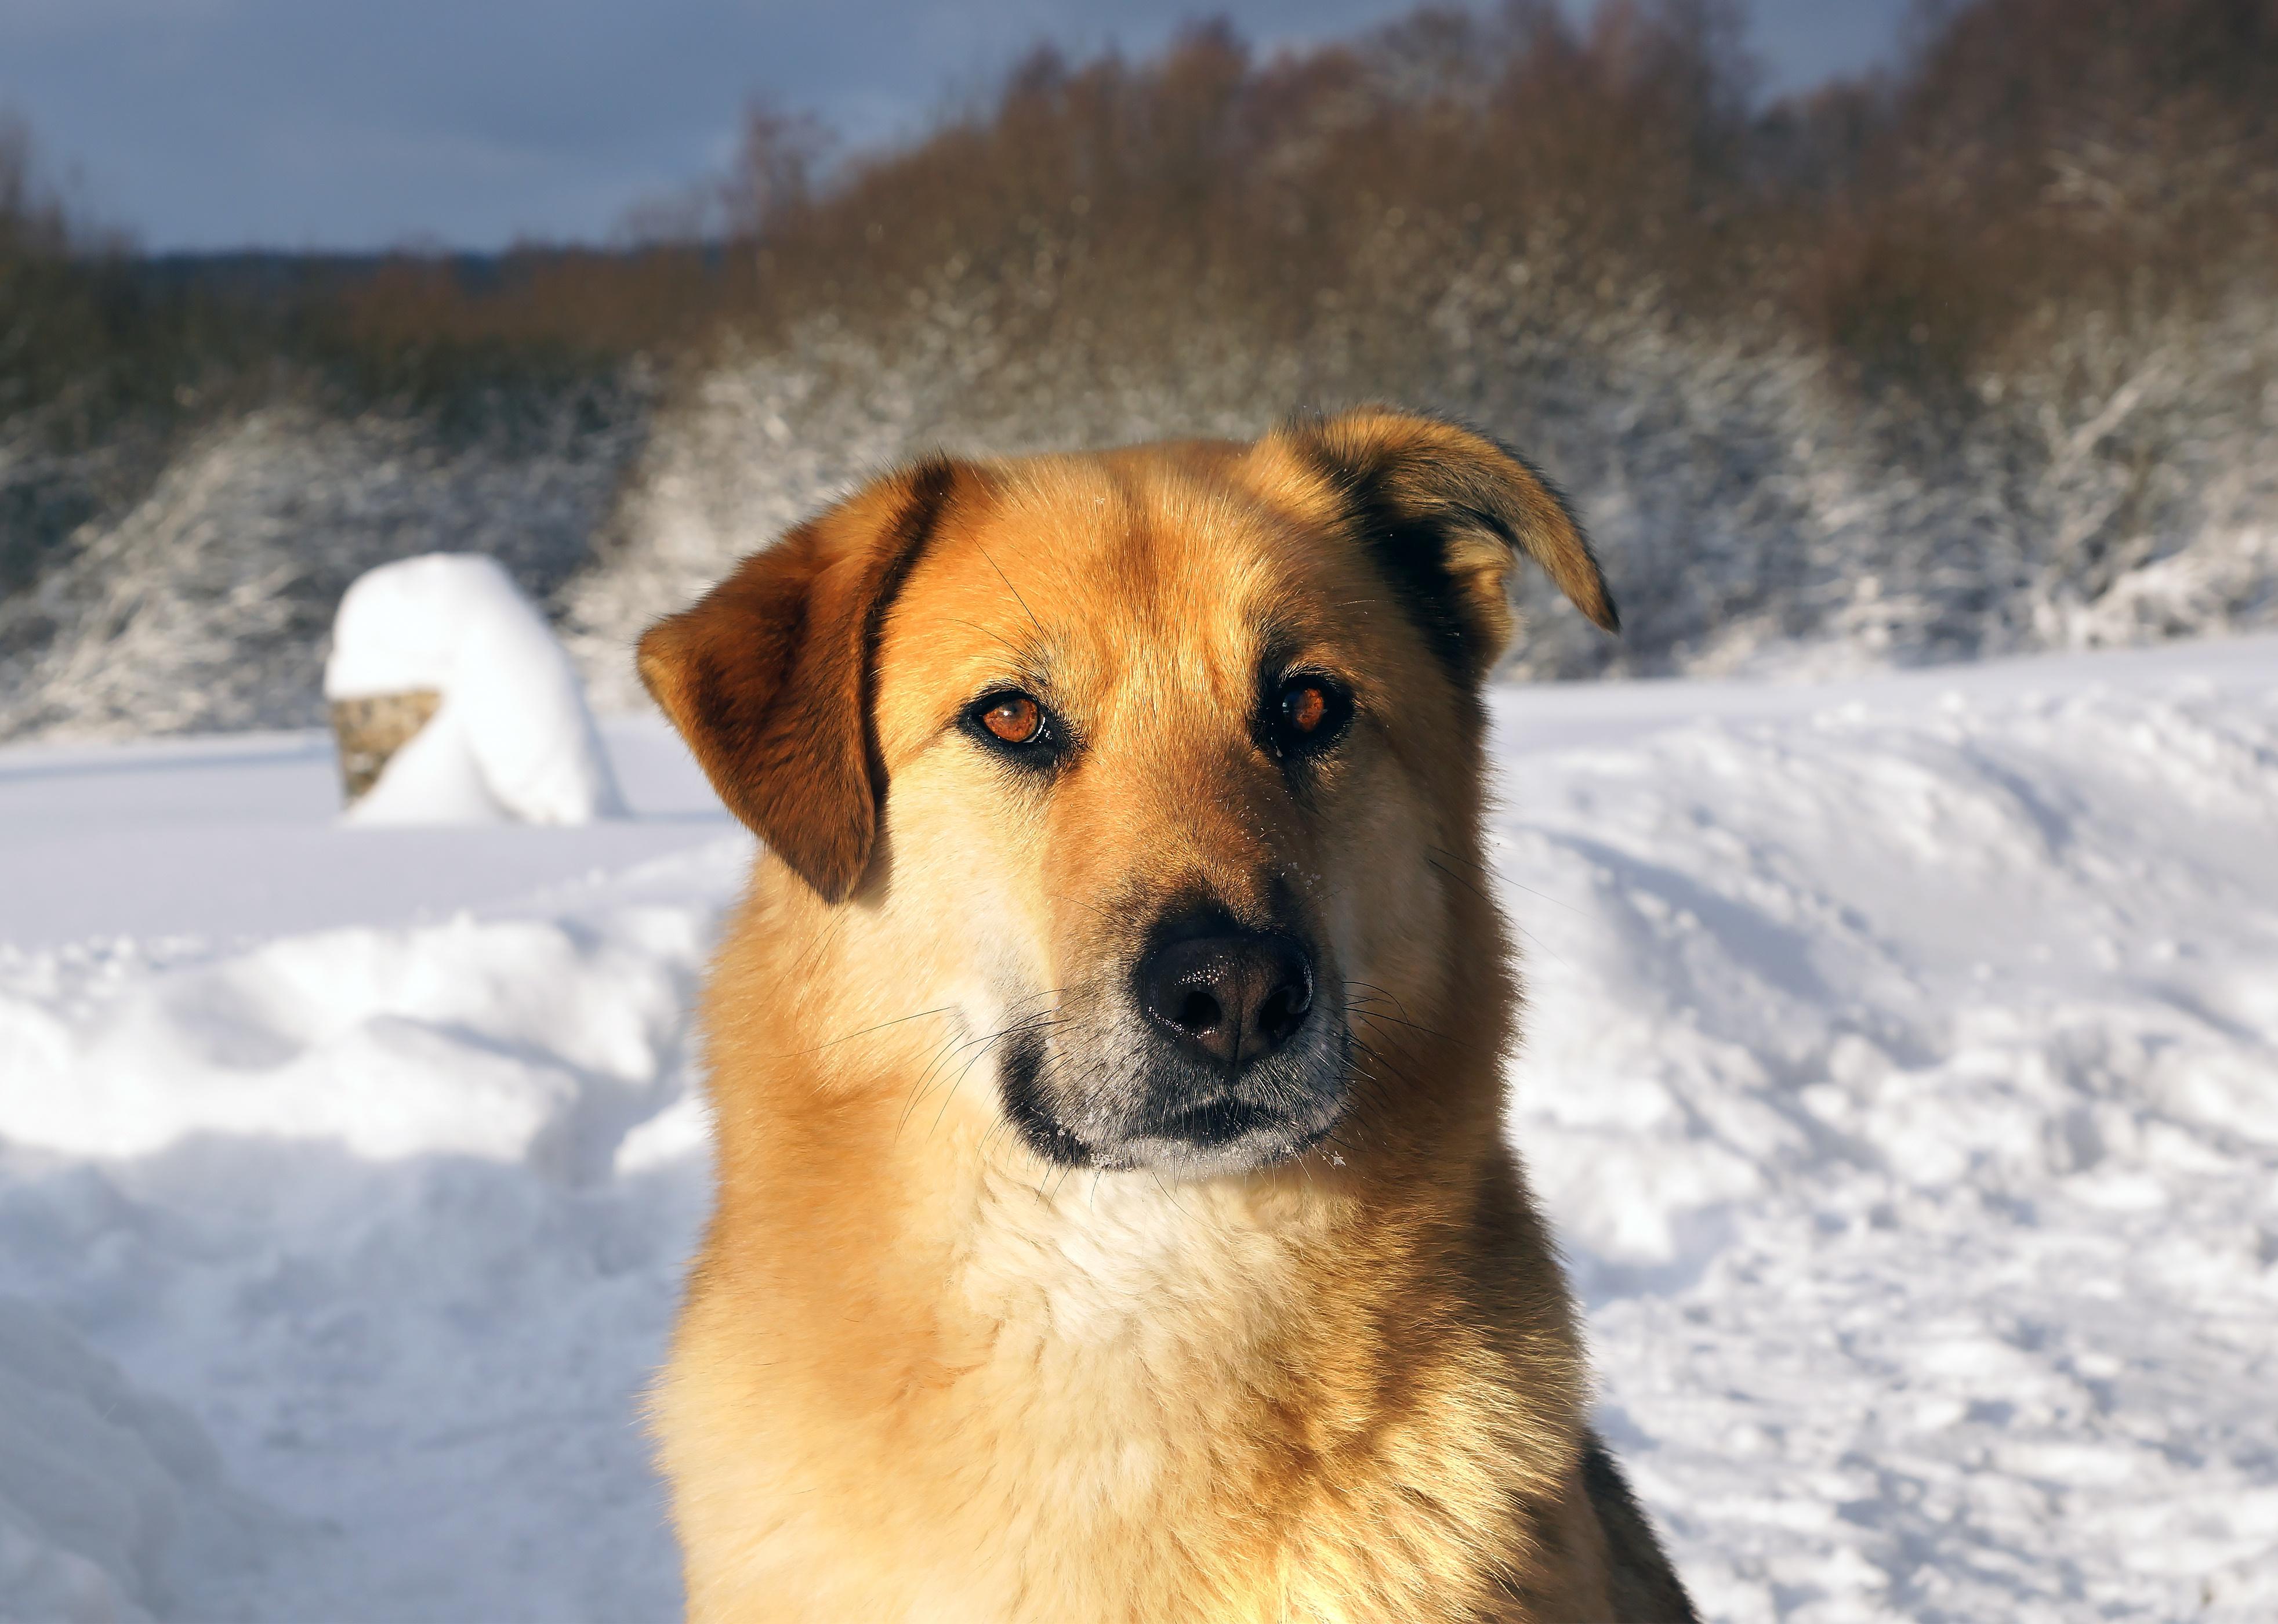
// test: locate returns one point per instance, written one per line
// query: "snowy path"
(1903, 1077)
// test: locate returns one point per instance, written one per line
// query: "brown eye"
(1018, 728)
(1306, 716)
(1016, 719)
(1303, 707)
(1012, 718)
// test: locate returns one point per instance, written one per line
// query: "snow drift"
(105, 1492)
(1903, 1073)
(1898, 1076)
(512, 739)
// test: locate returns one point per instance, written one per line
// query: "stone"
(372, 729)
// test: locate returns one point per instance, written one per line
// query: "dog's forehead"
(1162, 561)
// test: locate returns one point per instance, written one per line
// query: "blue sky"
(351, 124)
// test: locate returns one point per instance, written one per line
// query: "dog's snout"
(1233, 997)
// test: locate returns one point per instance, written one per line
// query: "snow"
(97, 1482)
(236, 836)
(513, 738)
(1902, 1076)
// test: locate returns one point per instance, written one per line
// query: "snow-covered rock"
(512, 739)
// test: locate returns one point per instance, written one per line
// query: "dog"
(1114, 1219)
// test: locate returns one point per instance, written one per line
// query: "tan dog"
(1114, 1219)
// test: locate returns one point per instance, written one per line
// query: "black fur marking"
(931, 482)
(1411, 551)
(1643, 1583)
(1020, 1083)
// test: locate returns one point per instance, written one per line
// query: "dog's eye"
(1016, 718)
(1303, 708)
(1307, 714)
(1015, 723)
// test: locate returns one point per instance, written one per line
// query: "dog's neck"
(1094, 1259)
(1112, 1370)
(973, 1253)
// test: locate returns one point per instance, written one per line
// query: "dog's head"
(1155, 772)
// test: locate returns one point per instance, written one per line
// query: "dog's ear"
(1445, 511)
(770, 676)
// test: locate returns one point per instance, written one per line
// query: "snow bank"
(513, 738)
(1901, 1077)
(536, 1042)
(1903, 1074)
(403, 1214)
(100, 1485)
(435, 1364)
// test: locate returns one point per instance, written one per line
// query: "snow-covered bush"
(1981, 358)
(1753, 508)
(512, 738)
(204, 603)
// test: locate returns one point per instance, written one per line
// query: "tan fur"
(922, 1373)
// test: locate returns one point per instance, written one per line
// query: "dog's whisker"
(1352, 981)
(1015, 591)
(1458, 879)
(1037, 1023)
(832, 1043)
(1393, 1020)
(1495, 871)
(952, 1050)
(993, 636)
(918, 1088)
(1515, 924)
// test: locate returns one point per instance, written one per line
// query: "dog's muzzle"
(1222, 1056)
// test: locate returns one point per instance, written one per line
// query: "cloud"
(339, 123)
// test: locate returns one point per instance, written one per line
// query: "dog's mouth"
(1218, 1046)
(1118, 1101)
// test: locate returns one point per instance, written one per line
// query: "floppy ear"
(1445, 511)
(769, 677)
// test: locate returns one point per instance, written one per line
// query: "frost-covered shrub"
(1978, 359)
(1752, 505)
(206, 603)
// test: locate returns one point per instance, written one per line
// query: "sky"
(363, 124)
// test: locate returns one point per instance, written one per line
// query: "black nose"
(1232, 998)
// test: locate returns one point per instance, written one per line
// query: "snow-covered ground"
(1903, 1078)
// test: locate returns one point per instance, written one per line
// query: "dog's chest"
(1144, 1417)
